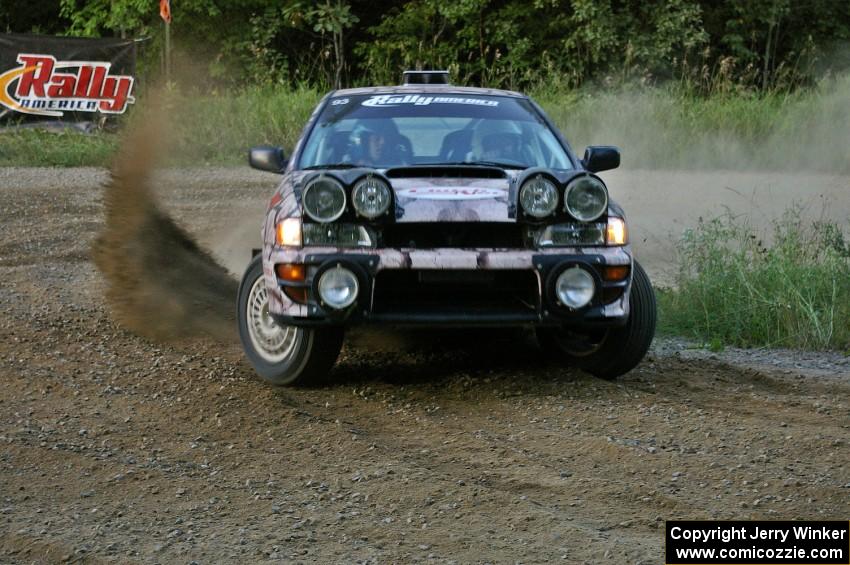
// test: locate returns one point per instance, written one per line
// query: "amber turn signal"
(291, 272)
(614, 273)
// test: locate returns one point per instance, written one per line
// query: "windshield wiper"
(332, 166)
(501, 165)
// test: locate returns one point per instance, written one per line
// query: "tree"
(333, 19)
(754, 43)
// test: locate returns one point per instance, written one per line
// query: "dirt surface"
(469, 448)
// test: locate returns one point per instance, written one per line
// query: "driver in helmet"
(374, 146)
(378, 144)
(495, 141)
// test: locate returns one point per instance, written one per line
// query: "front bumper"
(448, 287)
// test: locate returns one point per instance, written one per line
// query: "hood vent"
(440, 171)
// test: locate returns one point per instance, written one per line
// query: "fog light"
(575, 287)
(338, 288)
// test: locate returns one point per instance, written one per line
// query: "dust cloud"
(673, 175)
(658, 130)
(233, 245)
(160, 283)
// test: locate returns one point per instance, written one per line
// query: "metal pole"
(167, 52)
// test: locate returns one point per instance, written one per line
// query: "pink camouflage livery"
(430, 204)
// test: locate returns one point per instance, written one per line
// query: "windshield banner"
(69, 79)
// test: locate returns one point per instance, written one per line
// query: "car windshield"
(395, 130)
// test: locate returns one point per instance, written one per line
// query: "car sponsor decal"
(450, 193)
(41, 91)
(389, 100)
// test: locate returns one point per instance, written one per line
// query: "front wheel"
(281, 355)
(612, 352)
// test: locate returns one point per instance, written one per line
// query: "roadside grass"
(219, 128)
(668, 127)
(733, 288)
(213, 129)
(34, 148)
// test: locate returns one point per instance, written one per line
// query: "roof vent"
(425, 77)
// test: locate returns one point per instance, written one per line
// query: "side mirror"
(267, 158)
(601, 158)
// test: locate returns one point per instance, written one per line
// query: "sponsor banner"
(757, 542)
(64, 78)
(389, 100)
(450, 193)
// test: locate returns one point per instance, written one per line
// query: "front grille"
(456, 292)
(450, 234)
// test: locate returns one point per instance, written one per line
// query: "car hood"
(484, 195)
(441, 199)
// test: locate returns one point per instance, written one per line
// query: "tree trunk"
(766, 72)
(338, 45)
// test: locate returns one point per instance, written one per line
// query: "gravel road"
(446, 448)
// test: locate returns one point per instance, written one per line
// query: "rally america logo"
(41, 91)
(388, 100)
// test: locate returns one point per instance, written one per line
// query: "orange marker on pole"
(165, 14)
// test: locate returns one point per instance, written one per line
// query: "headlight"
(571, 234)
(575, 288)
(338, 235)
(586, 198)
(289, 232)
(616, 232)
(338, 288)
(371, 197)
(538, 197)
(324, 199)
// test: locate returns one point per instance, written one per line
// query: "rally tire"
(281, 355)
(619, 349)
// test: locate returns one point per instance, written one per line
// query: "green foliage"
(757, 44)
(733, 288)
(331, 18)
(90, 18)
(33, 17)
(514, 43)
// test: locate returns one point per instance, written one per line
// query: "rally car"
(437, 205)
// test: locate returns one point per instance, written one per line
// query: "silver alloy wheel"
(273, 342)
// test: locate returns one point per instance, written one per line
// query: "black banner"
(74, 79)
(757, 542)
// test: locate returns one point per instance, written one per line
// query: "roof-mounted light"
(425, 77)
